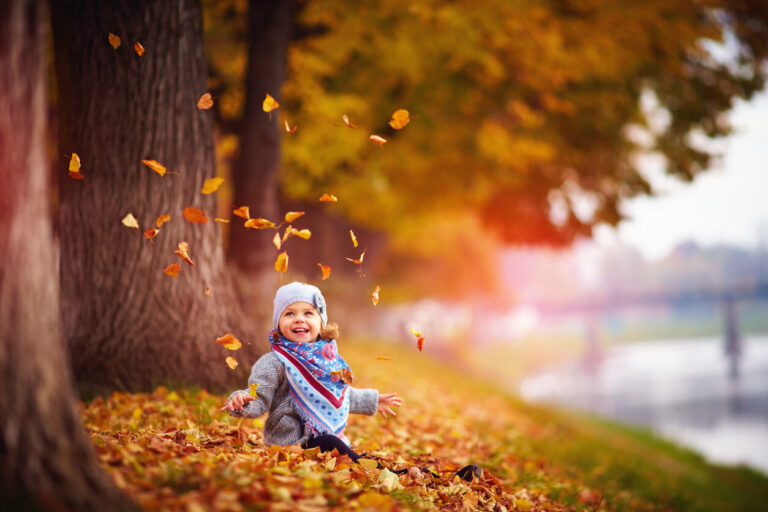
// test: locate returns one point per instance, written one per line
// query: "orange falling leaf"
(138, 48)
(205, 102)
(383, 358)
(231, 362)
(208, 292)
(378, 139)
(183, 252)
(217, 219)
(130, 221)
(345, 118)
(281, 263)
(292, 216)
(114, 40)
(195, 215)
(172, 270)
(151, 233)
(229, 341)
(419, 339)
(328, 198)
(375, 295)
(259, 223)
(344, 374)
(162, 220)
(359, 261)
(269, 104)
(211, 185)
(326, 270)
(289, 129)
(400, 118)
(243, 212)
(276, 241)
(155, 166)
(74, 167)
(290, 230)
(354, 238)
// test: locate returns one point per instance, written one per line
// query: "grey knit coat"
(284, 426)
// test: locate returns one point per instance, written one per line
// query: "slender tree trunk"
(128, 325)
(256, 173)
(46, 461)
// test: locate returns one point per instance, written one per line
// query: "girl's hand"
(386, 402)
(237, 402)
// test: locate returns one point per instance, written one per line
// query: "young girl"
(299, 381)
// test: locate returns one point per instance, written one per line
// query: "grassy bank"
(173, 450)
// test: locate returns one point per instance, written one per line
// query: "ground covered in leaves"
(173, 450)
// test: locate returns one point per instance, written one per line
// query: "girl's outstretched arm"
(386, 402)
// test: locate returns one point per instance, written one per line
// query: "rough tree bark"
(129, 326)
(256, 172)
(46, 461)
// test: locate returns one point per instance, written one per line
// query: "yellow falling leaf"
(155, 166)
(375, 295)
(359, 261)
(290, 129)
(114, 40)
(347, 122)
(138, 48)
(292, 216)
(229, 341)
(130, 221)
(353, 237)
(269, 104)
(259, 223)
(328, 198)
(183, 252)
(231, 362)
(281, 263)
(162, 219)
(276, 241)
(74, 167)
(217, 219)
(252, 390)
(377, 139)
(400, 118)
(208, 292)
(211, 185)
(243, 212)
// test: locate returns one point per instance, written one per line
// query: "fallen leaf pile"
(175, 451)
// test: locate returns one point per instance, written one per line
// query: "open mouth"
(300, 330)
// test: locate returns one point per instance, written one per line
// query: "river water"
(681, 389)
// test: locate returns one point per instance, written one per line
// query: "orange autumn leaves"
(229, 342)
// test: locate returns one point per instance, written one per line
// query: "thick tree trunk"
(256, 173)
(46, 461)
(127, 324)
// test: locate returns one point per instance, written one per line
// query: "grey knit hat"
(298, 292)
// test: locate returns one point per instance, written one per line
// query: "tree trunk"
(128, 325)
(256, 173)
(46, 462)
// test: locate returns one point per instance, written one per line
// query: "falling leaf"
(217, 219)
(292, 216)
(208, 292)
(183, 252)
(259, 223)
(353, 237)
(205, 102)
(383, 358)
(399, 119)
(229, 341)
(289, 129)
(252, 390)
(375, 295)
(151, 233)
(114, 40)
(420, 343)
(358, 261)
(195, 215)
(231, 362)
(304, 234)
(243, 212)
(162, 219)
(139, 49)
(155, 166)
(130, 221)
(328, 198)
(211, 185)
(344, 374)
(276, 241)
(326, 270)
(269, 104)
(377, 139)
(172, 270)
(281, 263)
(345, 118)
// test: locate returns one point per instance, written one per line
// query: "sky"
(728, 204)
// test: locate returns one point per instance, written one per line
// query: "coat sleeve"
(363, 401)
(268, 374)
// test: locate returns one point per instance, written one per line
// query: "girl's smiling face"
(300, 322)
